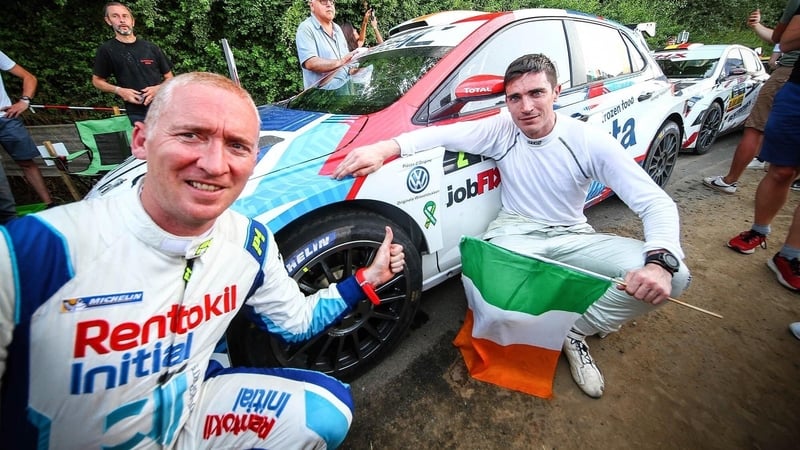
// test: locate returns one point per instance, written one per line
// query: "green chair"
(108, 142)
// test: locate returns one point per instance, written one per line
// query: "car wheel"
(663, 155)
(333, 247)
(709, 130)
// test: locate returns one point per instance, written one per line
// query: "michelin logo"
(81, 303)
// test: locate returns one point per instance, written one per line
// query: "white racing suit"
(108, 323)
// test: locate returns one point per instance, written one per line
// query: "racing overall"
(108, 324)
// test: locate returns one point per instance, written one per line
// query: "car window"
(636, 58)
(387, 72)
(604, 54)
(733, 60)
(494, 56)
(751, 62)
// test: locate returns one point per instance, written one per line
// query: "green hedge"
(56, 41)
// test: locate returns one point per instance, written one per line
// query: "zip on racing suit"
(108, 323)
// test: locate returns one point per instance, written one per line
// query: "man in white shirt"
(547, 163)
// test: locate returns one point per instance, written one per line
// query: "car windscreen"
(374, 82)
(688, 68)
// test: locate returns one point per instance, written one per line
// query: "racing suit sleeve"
(658, 212)
(280, 307)
(490, 136)
(7, 296)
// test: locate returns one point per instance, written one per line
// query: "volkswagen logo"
(418, 179)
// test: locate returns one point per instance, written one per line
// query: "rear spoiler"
(648, 28)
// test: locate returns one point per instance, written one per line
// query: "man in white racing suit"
(110, 309)
(547, 163)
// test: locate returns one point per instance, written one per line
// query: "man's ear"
(138, 148)
(107, 21)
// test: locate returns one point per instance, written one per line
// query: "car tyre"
(663, 154)
(709, 130)
(331, 248)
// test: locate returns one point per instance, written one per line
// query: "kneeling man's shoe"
(584, 371)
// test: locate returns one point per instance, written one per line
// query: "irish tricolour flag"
(520, 310)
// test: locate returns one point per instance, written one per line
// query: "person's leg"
(746, 150)
(609, 256)
(772, 193)
(779, 149)
(7, 205)
(268, 408)
(752, 136)
(19, 144)
(786, 263)
(36, 180)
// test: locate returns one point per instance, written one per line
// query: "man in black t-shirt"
(138, 66)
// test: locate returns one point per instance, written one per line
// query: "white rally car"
(423, 76)
(718, 85)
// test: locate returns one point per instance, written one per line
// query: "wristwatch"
(664, 259)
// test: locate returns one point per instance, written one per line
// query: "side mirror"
(738, 71)
(479, 87)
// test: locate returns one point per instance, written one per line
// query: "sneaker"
(795, 329)
(718, 184)
(757, 164)
(584, 371)
(795, 185)
(747, 241)
(787, 271)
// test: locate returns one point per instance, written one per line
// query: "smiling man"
(110, 309)
(547, 163)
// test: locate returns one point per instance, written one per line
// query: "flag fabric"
(520, 310)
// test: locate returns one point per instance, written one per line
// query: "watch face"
(671, 260)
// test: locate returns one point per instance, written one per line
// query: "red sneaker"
(747, 241)
(787, 271)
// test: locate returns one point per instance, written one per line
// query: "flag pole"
(617, 281)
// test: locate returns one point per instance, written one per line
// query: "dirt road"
(674, 379)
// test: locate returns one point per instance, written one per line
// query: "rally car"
(717, 86)
(423, 76)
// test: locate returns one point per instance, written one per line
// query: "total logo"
(486, 181)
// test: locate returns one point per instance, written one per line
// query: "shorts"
(760, 112)
(781, 135)
(16, 139)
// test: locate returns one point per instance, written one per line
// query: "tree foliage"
(57, 41)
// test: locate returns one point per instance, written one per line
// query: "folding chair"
(107, 142)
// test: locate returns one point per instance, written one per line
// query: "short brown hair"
(532, 63)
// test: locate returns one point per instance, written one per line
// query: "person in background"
(321, 44)
(369, 17)
(547, 163)
(110, 309)
(772, 63)
(357, 39)
(8, 209)
(138, 66)
(350, 35)
(749, 145)
(14, 137)
(780, 150)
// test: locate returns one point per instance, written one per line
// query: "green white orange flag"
(520, 310)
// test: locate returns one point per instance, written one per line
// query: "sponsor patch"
(81, 303)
